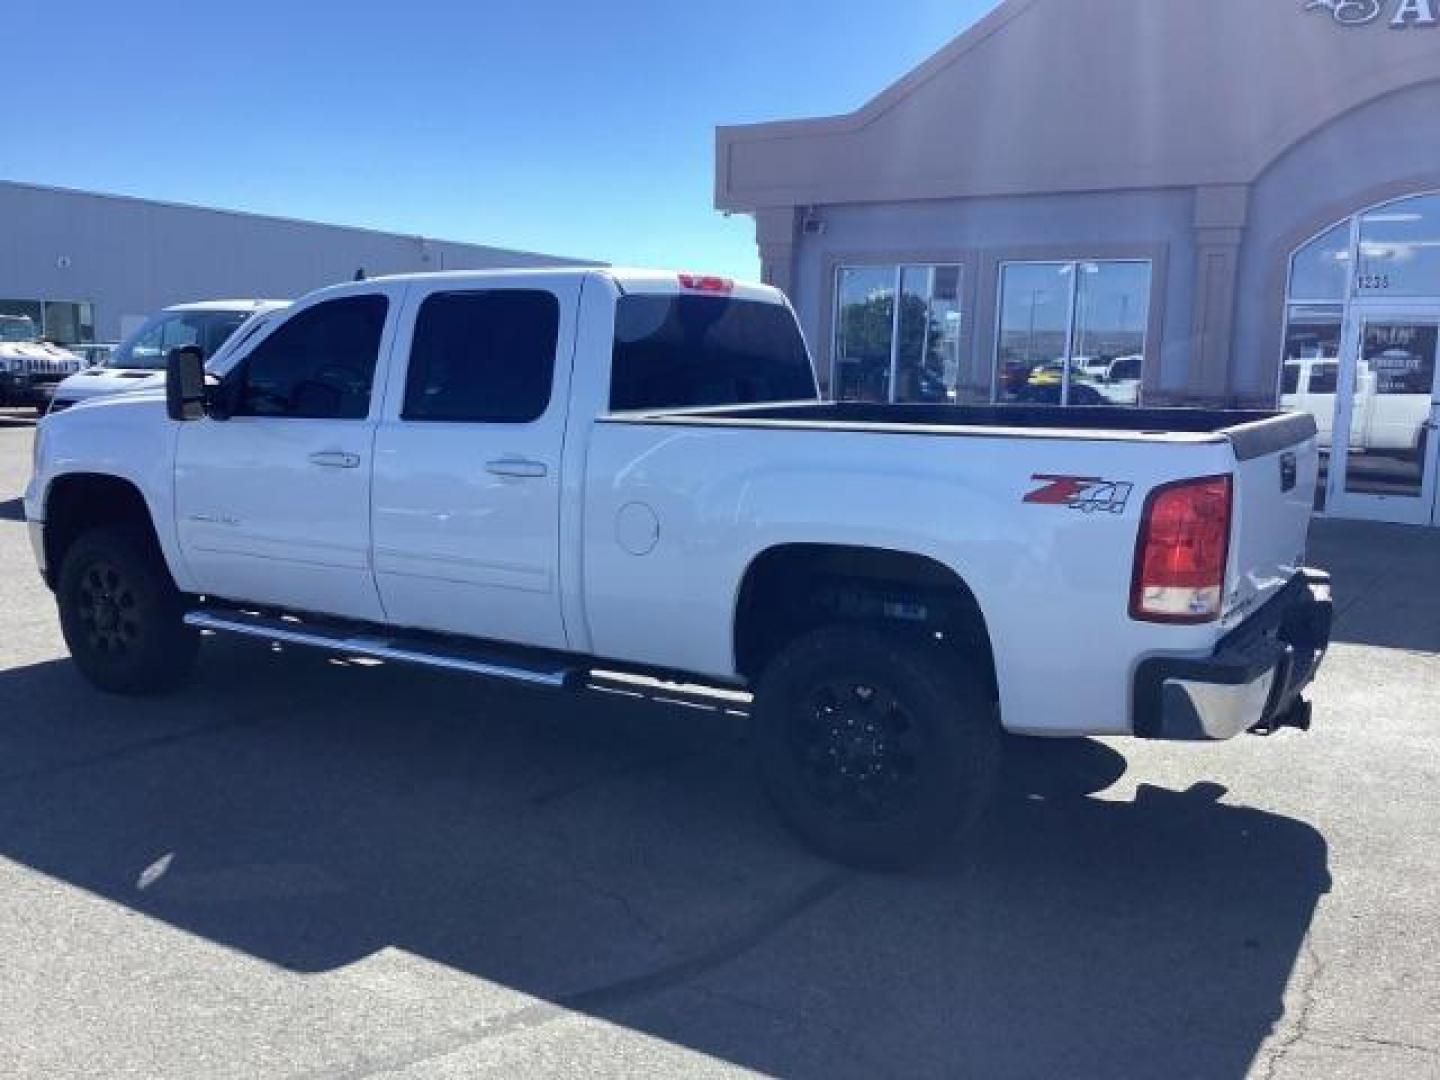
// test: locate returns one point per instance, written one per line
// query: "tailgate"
(1277, 466)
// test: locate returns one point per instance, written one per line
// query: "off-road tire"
(121, 614)
(874, 747)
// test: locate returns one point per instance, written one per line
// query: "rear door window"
(484, 357)
(677, 352)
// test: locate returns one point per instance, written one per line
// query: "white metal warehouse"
(89, 267)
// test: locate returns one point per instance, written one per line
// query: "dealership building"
(1114, 202)
(88, 267)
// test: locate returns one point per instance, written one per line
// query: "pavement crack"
(604, 1000)
(682, 971)
(1399, 1044)
(1300, 1029)
(619, 899)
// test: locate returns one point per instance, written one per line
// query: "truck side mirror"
(185, 384)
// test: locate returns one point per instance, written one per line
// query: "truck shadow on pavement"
(612, 858)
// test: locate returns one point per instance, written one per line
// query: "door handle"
(521, 467)
(335, 459)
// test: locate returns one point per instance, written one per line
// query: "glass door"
(1388, 401)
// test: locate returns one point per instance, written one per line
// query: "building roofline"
(945, 57)
(251, 215)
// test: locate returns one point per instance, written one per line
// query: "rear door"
(466, 496)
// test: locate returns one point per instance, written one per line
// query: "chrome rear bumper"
(1254, 680)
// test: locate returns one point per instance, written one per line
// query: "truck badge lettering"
(1088, 494)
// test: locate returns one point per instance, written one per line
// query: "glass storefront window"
(1310, 371)
(24, 317)
(1312, 332)
(865, 332)
(1112, 311)
(907, 355)
(1034, 336)
(62, 321)
(928, 347)
(1319, 269)
(1368, 352)
(1400, 249)
(1394, 384)
(1072, 333)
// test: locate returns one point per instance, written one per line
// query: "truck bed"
(1253, 433)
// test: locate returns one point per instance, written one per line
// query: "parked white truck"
(1393, 421)
(536, 475)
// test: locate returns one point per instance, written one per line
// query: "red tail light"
(705, 283)
(1183, 549)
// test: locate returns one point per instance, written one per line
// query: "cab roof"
(230, 305)
(626, 280)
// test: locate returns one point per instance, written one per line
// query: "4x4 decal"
(1088, 494)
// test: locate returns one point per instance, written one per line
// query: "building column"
(777, 230)
(1221, 214)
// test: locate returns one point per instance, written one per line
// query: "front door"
(1388, 402)
(273, 504)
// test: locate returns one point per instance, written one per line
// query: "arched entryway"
(1362, 351)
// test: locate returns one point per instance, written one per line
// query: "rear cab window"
(685, 351)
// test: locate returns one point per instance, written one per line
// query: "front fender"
(127, 437)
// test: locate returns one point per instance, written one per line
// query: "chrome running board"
(397, 648)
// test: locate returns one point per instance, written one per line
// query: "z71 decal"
(1088, 494)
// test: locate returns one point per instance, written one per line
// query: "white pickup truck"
(537, 475)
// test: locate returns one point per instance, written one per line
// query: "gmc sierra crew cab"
(536, 475)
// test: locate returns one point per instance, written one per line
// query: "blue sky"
(581, 128)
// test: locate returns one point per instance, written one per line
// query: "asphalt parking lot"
(302, 867)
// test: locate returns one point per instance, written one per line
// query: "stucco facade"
(1206, 140)
(122, 258)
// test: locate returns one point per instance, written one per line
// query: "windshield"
(149, 346)
(17, 328)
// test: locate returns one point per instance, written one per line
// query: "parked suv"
(139, 360)
(30, 368)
